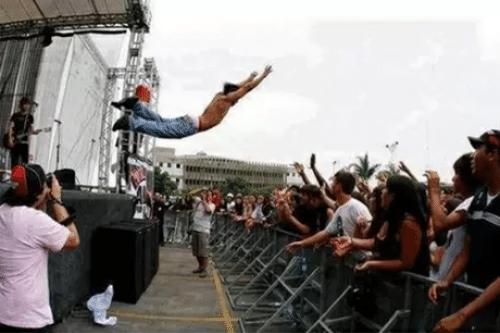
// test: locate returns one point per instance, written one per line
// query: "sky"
(350, 77)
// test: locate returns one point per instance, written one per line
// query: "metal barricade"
(269, 288)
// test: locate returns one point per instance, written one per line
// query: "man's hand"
(55, 189)
(362, 267)
(341, 246)
(432, 180)
(363, 187)
(268, 70)
(436, 290)
(294, 247)
(298, 167)
(313, 161)
(403, 167)
(253, 74)
(451, 323)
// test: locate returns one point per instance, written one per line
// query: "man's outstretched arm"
(252, 76)
(235, 96)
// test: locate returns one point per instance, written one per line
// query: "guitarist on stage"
(21, 127)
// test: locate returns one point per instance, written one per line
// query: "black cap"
(490, 138)
(28, 180)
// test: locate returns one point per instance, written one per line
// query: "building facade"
(193, 171)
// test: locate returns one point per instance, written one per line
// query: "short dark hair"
(347, 180)
(463, 168)
(25, 100)
(311, 190)
(230, 87)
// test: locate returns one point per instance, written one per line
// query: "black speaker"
(151, 247)
(118, 259)
(66, 178)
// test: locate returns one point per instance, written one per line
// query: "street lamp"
(392, 149)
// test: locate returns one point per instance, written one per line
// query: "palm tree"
(392, 170)
(363, 168)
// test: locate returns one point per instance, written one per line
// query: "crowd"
(400, 225)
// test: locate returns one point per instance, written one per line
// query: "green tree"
(363, 168)
(392, 170)
(163, 184)
(236, 185)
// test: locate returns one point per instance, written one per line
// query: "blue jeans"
(147, 122)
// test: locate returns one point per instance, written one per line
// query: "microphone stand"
(58, 147)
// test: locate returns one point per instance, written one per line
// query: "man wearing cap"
(27, 236)
(21, 126)
(479, 258)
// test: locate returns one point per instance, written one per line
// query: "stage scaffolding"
(26, 26)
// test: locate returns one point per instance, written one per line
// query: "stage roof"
(18, 17)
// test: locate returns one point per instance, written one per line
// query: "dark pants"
(160, 225)
(19, 154)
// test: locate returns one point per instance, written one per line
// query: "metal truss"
(106, 124)
(138, 16)
(131, 79)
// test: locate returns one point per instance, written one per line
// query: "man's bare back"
(221, 103)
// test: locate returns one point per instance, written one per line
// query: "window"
(169, 165)
(177, 180)
(161, 164)
(178, 166)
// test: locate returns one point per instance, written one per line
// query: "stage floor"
(176, 301)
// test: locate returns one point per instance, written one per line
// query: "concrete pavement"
(176, 301)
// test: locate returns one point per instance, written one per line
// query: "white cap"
(230, 195)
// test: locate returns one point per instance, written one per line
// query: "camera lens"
(49, 180)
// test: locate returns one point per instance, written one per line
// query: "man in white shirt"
(203, 210)
(27, 236)
(346, 216)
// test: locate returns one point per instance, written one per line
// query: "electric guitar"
(9, 142)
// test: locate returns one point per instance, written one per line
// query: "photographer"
(27, 236)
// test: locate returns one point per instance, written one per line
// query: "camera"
(49, 179)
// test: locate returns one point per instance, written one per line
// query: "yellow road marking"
(225, 309)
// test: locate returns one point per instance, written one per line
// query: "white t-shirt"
(347, 216)
(26, 237)
(454, 244)
(201, 218)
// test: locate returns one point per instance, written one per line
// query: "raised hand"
(253, 74)
(268, 70)
(432, 179)
(313, 161)
(298, 167)
(403, 167)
